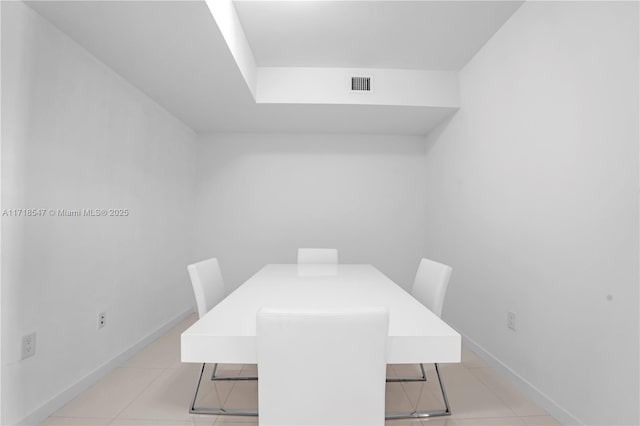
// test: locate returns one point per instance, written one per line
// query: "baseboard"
(530, 391)
(61, 399)
(58, 401)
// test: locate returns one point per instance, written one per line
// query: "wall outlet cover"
(28, 345)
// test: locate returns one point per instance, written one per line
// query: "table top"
(226, 334)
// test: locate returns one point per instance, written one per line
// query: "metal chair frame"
(391, 416)
(410, 379)
(219, 411)
(416, 414)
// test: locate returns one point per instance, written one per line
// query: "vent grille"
(360, 84)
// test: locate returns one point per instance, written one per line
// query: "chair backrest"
(314, 255)
(208, 285)
(322, 367)
(430, 285)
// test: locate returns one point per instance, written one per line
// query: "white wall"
(533, 200)
(260, 197)
(76, 135)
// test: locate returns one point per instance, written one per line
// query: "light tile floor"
(154, 388)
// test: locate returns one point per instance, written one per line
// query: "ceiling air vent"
(361, 84)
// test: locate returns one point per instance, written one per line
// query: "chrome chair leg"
(444, 392)
(424, 413)
(409, 379)
(219, 411)
(213, 373)
(192, 407)
(214, 377)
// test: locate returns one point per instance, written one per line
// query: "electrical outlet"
(28, 345)
(511, 320)
(102, 319)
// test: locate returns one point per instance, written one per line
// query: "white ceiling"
(174, 52)
(171, 50)
(432, 35)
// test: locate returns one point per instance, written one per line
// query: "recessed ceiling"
(430, 35)
(170, 50)
(175, 53)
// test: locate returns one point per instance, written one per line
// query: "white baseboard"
(61, 399)
(530, 391)
(58, 401)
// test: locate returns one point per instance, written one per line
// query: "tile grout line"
(493, 393)
(436, 396)
(163, 370)
(476, 371)
(219, 418)
(499, 398)
(135, 398)
(481, 382)
(223, 403)
(482, 366)
(110, 419)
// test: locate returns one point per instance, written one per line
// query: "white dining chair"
(317, 256)
(430, 288)
(207, 283)
(337, 344)
(209, 290)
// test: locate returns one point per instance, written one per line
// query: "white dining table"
(227, 333)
